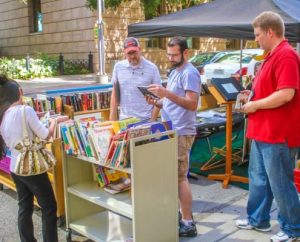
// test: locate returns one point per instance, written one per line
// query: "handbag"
(34, 158)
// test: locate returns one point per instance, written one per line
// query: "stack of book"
(108, 142)
(118, 154)
(113, 181)
(88, 101)
(80, 101)
(90, 136)
(42, 103)
(123, 184)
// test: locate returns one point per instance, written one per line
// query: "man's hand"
(153, 101)
(249, 107)
(158, 90)
(275, 100)
(244, 95)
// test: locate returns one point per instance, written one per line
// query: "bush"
(71, 67)
(40, 66)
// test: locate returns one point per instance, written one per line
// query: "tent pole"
(101, 77)
(298, 48)
(241, 58)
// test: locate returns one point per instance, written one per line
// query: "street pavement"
(214, 209)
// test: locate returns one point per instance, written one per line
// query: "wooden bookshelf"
(69, 111)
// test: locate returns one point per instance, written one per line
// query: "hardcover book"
(101, 137)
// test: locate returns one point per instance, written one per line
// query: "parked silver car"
(229, 64)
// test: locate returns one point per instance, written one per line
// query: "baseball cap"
(131, 44)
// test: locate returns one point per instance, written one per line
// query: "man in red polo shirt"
(274, 125)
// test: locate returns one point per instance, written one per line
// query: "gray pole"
(241, 59)
(101, 76)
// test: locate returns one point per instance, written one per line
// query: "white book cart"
(146, 213)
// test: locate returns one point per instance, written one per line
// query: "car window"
(234, 59)
(201, 58)
(217, 56)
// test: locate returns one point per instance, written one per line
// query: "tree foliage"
(152, 8)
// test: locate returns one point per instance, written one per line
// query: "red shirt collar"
(278, 47)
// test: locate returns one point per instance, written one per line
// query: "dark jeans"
(40, 187)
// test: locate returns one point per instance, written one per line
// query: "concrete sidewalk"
(215, 211)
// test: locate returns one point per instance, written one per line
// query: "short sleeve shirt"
(132, 101)
(180, 81)
(279, 70)
(11, 129)
(293, 124)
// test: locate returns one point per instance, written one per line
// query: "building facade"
(68, 27)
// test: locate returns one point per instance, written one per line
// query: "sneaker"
(281, 236)
(189, 230)
(245, 224)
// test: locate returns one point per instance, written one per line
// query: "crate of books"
(121, 172)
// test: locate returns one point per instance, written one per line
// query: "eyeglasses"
(173, 55)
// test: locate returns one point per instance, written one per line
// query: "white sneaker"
(245, 224)
(283, 237)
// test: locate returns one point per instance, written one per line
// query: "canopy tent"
(229, 19)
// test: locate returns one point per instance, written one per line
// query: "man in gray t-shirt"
(127, 76)
(178, 103)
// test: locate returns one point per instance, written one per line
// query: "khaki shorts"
(185, 143)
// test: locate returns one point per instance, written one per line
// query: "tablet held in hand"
(146, 92)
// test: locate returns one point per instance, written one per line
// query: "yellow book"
(58, 105)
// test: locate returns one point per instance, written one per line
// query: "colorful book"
(101, 137)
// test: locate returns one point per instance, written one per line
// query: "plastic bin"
(4, 164)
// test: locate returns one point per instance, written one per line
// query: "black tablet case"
(145, 92)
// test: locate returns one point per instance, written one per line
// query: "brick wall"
(68, 28)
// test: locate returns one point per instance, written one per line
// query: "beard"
(134, 62)
(176, 64)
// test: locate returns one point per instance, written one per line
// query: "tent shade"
(230, 19)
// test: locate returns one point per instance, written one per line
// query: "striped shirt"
(132, 101)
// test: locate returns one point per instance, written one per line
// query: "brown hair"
(269, 20)
(180, 41)
(9, 94)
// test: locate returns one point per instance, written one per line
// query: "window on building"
(233, 44)
(35, 16)
(193, 43)
(156, 43)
